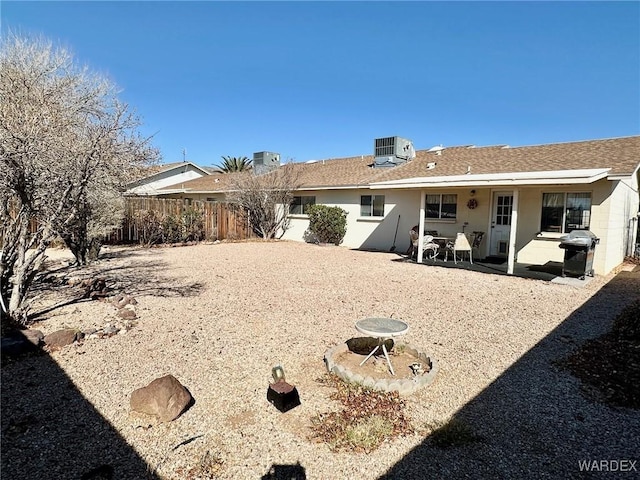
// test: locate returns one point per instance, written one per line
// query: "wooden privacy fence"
(221, 220)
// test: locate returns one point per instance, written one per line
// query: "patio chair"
(461, 244)
(413, 248)
(429, 247)
(477, 240)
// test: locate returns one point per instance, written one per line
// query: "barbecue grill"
(579, 247)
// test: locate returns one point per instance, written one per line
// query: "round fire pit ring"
(419, 374)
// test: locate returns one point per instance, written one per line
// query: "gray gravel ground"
(218, 317)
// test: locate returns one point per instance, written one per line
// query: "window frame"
(564, 213)
(440, 204)
(303, 204)
(371, 206)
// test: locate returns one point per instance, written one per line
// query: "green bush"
(328, 224)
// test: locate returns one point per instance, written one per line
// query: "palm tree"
(234, 164)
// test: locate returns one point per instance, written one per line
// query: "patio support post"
(512, 233)
(420, 252)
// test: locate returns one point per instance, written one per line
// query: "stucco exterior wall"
(621, 207)
(377, 233)
(605, 205)
(165, 179)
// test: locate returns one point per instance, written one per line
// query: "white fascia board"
(332, 187)
(169, 191)
(499, 179)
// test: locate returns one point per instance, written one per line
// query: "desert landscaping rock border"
(404, 386)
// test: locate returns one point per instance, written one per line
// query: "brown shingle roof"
(621, 155)
(215, 182)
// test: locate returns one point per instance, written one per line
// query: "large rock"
(165, 397)
(61, 338)
(34, 336)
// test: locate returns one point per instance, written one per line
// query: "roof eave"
(565, 177)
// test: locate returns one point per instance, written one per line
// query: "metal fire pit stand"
(382, 329)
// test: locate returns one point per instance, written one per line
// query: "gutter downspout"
(423, 198)
(512, 233)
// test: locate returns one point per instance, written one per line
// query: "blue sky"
(313, 80)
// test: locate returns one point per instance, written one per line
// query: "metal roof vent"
(264, 162)
(392, 151)
(437, 149)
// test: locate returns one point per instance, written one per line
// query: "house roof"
(167, 167)
(620, 155)
(214, 182)
(584, 161)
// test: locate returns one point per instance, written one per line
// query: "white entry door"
(501, 223)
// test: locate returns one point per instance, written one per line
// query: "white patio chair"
(461, 244)
(429, 247)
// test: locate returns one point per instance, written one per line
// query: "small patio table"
(381, 328)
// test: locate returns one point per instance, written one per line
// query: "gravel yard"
(219, 317)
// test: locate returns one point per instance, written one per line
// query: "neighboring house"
(524, 198)
(165, 175)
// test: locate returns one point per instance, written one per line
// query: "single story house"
(165, 175)
(523, 198)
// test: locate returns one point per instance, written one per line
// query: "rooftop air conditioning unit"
(392, 151)
(264, 162)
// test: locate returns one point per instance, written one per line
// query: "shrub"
(192, 225)
(328, 224)
(171, 229)
(149, 228)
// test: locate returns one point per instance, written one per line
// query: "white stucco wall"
(363, 232)
(377, 233)
(165, 179)
(608, 223)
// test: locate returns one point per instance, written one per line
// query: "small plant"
(328, 224)
(454, 433)
(368, 432)
(209, 466)
(369, 418)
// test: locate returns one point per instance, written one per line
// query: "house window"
(442, 206)
(299, 205)
(372, 205)
(563, 212)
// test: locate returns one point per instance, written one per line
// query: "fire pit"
(414, 368)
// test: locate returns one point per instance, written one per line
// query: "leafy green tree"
(234, 164)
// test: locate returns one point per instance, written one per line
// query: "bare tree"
(266, 198)
(67, 146)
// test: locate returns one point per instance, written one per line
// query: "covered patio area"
(550, 272)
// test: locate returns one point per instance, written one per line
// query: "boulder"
(61, 338)
(127, 314)
(34, 336)
(165, 397)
